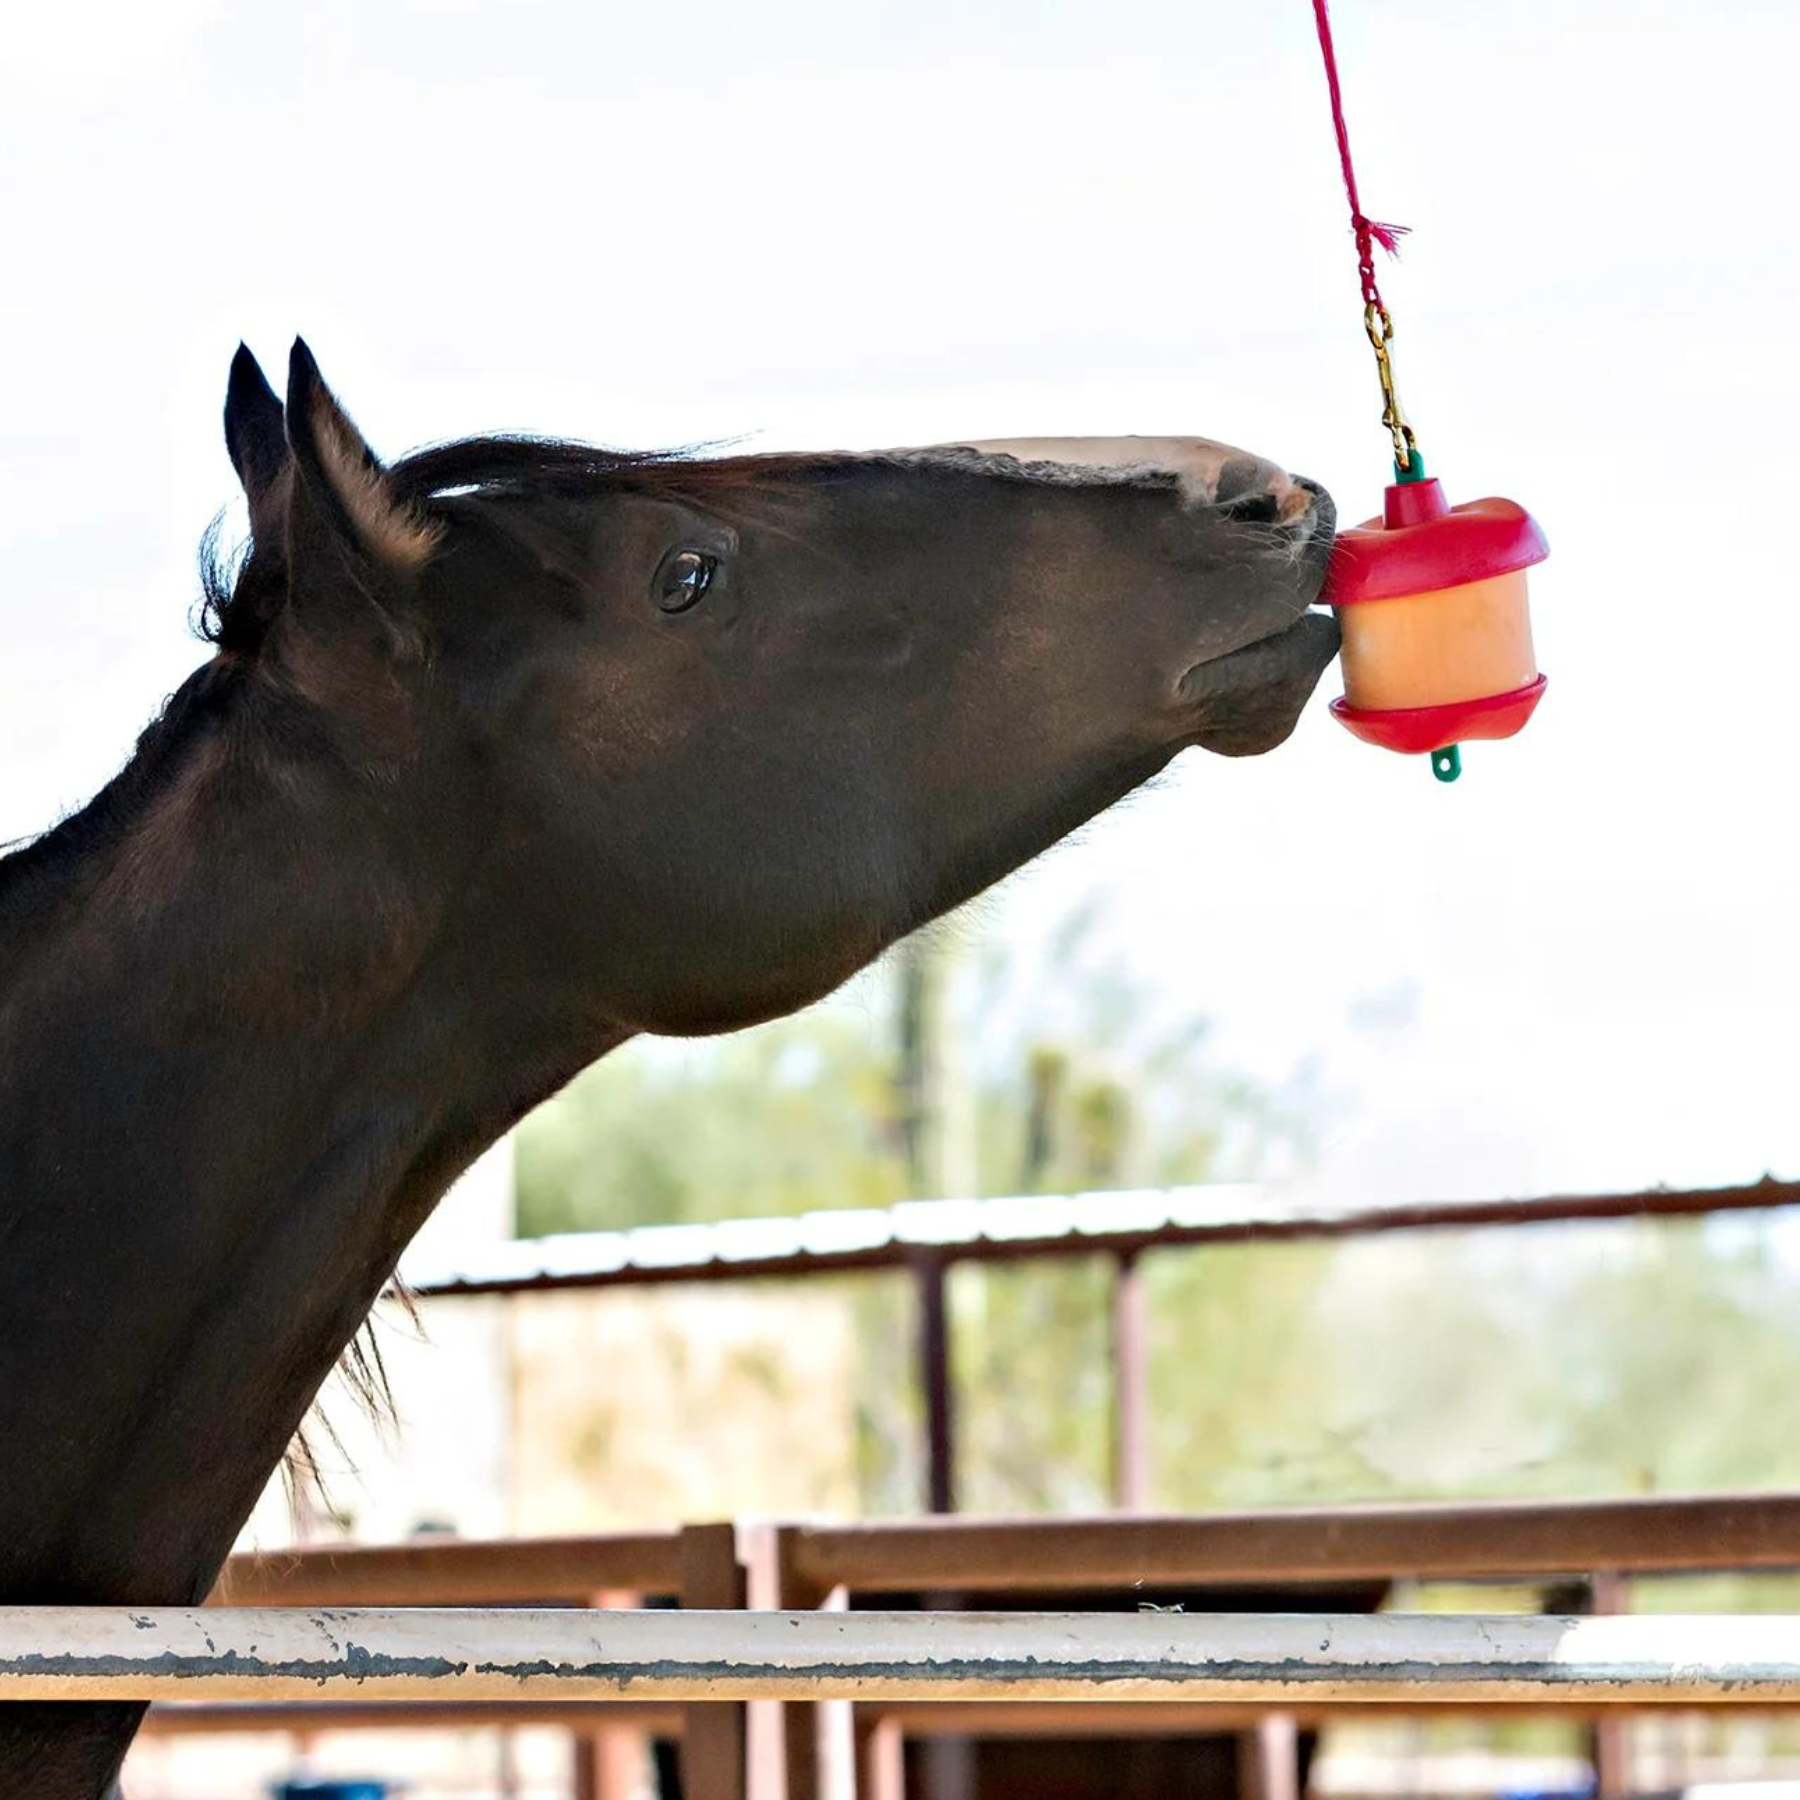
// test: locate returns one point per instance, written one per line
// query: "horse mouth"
(1249, 700)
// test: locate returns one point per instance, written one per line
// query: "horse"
(505, 752)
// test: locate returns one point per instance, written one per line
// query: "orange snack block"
(1447, 644)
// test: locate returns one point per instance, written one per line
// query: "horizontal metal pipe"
(186, 1718)
(1174, 1718)
(454, 1571)
(934, 1718)
(111, 1653)
(1306, 1544)
(1656, 1534)
(1259, 1227)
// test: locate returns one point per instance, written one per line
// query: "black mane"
(187, 715)
(513, 463)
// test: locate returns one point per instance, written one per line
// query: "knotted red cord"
(1368, 231)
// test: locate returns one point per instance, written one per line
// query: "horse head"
(697, 738)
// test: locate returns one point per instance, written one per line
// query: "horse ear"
(338, 472)
(256, 439)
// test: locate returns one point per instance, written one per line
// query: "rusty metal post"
(949, 1761)
(1609, 1741)
(714, 1759)
(584, 1778)
(931, 1278)
(1131, 1385)
(607, 1762)
(1269, 1759)
(759, 1551)
(880, 1759)
(819, 1751)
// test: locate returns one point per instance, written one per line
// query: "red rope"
(1368, 232)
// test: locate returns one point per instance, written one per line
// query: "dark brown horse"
(504, 754)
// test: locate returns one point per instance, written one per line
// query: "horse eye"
(684, 577)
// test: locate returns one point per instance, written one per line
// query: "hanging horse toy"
(1430, 596)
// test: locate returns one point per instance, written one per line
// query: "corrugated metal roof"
(845, 1233)
(1030, 1224)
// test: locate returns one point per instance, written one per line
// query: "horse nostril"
(1265, 508)
(1252, 492)
(1243, 481)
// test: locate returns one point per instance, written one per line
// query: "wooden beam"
(115, 1653)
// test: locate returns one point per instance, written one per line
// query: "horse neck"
(241, 1056)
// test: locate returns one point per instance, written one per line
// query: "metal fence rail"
(113, 1653)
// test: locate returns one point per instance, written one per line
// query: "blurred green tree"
(794, 1116)
(1101, 1089)
(1583, 1359)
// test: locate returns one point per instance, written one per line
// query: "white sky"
(880, 223)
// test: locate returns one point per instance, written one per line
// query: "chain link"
(1380, 326)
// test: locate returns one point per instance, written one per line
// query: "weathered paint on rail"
(49, 1653)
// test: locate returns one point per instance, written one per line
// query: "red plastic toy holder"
(1437, 631)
